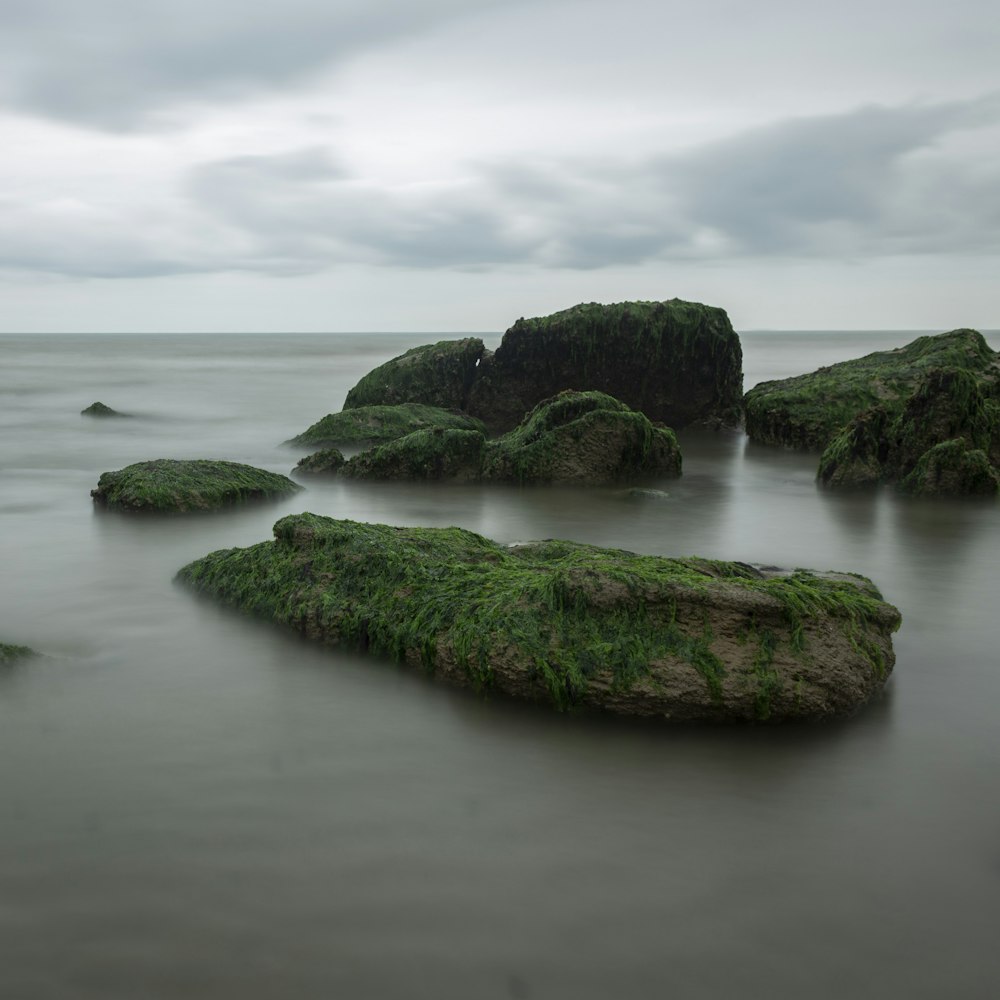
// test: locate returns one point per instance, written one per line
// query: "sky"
(452, 165)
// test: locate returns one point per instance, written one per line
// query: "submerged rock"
(570, 624)
(171, 485)
(809, 410)
(320, 463)
(381, 423)
(586, 438)
(99, 409)
(677, 362)
(436, 374)
(9, 654)
(938, 442)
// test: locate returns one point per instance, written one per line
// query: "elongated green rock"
(570, 624)
(10, 654)
(171, 485)
(382, 423)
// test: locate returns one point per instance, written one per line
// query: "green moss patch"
(382, 423)
(171, 485)
(320, 463)
(566, 623)
(10, 654)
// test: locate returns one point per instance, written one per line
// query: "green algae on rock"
(11, 654)
(677, 362)
(435, 374)
(570, 624)
(586, 438)
(172, 485)
(320, 463)
(944, 439)
(364, 424)
(100, 409)
(807, 411)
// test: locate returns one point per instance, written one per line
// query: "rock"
(938, 441)
(320, 463)
(569, 624)
(9, 655)
(677, 362)
(436, 374)
(99, 409)
(365, 424)
(585, 438)
(170, 485)
(809, 410)
(422, 455)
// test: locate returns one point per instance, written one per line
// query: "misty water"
(198, 805)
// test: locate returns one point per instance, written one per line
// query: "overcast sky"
(450, 165)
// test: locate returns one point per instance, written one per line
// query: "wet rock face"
(571, 625)
(436, 374)
(320, 463)
(172, 485)
(677, 362)
(583, 438)
(939, 442)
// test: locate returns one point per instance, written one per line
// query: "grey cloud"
(112, 63)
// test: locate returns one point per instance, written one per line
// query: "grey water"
(196, 805)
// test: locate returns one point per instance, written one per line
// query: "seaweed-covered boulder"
(807, 411)
(364, 424)
(587, 438)
(939, 441)
(435, 374)
(570, 624)
(11, 654)
(678, 362)
(320, 463)
(422, 455)
(172, 485)
(100, 409)
(584, 438)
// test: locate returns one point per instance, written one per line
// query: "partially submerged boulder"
(321, 463)
(365, 424)
(940, 441)
(438, 374)
(100, 409)
(677, 362)
(11, 654)
(172, 485)
(583, 438)
(807, 411)
(570, 624)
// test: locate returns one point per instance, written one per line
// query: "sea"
(197, 805)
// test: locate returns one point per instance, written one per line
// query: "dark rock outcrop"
(171, 485)
(585, 438)
(677, 362)
(99, 409)
(436, 374)
(365, 424)
(568, 624)
(9, 654)
(320, 463)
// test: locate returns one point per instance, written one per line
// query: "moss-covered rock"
(677, 362)
(435, 374)
(586, 438)
(320, 463)
(382, 423)
(10, 654)
(99, 409)
(171, 485)
(570, 624)
(809, 410)
(938, 441)
(423, 455)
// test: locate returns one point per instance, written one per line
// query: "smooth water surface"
(198, 805)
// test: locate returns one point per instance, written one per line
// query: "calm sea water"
(196, 805)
